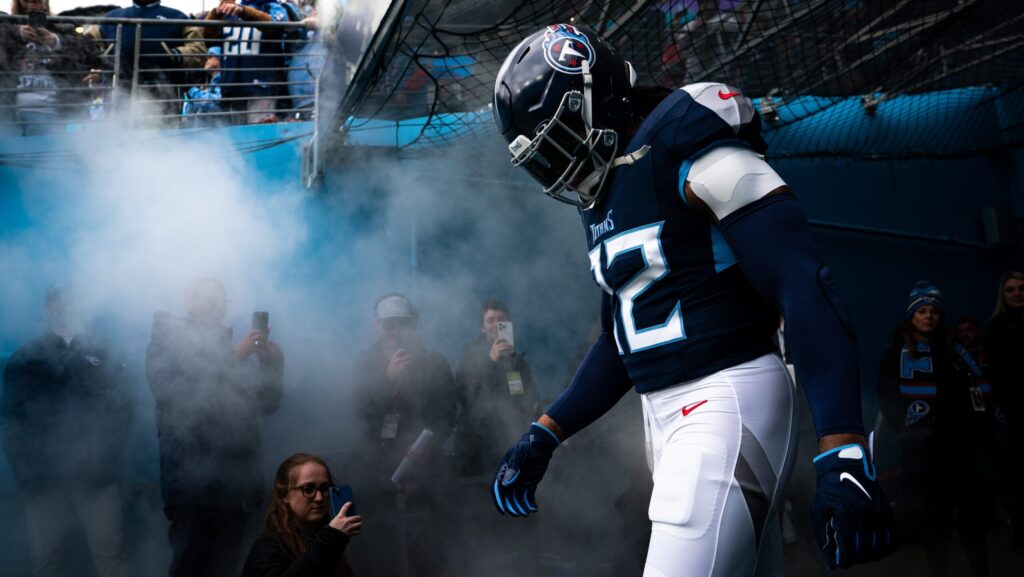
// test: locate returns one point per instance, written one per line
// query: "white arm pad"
(728, 178)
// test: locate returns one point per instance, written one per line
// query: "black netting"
(876, 78)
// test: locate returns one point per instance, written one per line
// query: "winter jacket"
(208, 409)
(324, 557)
(66, 413)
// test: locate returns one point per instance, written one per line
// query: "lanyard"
(966, 356)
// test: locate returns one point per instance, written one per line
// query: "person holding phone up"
(496, 390)
(42, 63)
(210, 397)
(301, 537)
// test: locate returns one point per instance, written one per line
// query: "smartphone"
(261, 321)
(505, 332)
(37, 19)
(341, 494)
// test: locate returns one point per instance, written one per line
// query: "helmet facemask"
(574, 165)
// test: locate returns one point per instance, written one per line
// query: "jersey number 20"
(646, 239)
(242, 40)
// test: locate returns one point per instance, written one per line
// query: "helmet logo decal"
(566, 48)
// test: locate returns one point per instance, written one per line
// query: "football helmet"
(562, 101)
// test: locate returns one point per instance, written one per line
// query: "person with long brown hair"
(934, 395)
(1004, 349)
(299, 540)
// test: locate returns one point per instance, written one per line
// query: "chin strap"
(595, 177)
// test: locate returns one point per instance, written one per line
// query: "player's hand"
(853, 521)
(515, 483)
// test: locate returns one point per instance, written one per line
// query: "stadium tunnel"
(906, 156)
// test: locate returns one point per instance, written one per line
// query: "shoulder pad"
(726, 101)
(729, 177)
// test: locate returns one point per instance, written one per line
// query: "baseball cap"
(394, 305)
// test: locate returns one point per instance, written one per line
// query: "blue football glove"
(853, 521)
(515, 483)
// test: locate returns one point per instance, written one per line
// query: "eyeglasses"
(310, 490)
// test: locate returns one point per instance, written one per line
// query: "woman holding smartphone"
(45, 61)
(300, 539)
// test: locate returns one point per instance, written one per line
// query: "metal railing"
(105, 68)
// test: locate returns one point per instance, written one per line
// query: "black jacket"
(1004, 351)
(66, 413)
(324, 557)
(208, 409)
(427, 401)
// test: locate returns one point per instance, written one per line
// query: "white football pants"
(721, 450)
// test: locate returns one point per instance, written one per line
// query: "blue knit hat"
(924, 293)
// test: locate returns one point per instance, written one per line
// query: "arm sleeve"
(599, 383)
(773, 244)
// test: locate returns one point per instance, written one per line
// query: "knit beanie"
(924, 293)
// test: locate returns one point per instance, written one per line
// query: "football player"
(698, 247)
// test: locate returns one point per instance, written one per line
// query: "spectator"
(305, 66)
(930, 395)
(46, 61)
(166, 50)
(967, 332)
(65, 417)
(1004, 347)
(300, 538)
(253, 57)
(497, 393)
(209, 400)
(206, 99)
(402, 387)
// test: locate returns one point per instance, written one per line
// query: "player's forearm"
(598, 385)
(552, 425)
(829, 442)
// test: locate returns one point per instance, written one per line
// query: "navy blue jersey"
(155, 36)
(252, 56)
(678, 304)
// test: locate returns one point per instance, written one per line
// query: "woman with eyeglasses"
(299, 537)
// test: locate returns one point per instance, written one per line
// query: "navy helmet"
(562, 101)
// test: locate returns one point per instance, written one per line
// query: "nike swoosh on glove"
(853, 521)
(515, 483)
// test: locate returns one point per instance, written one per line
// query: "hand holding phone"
(343, 509)
(261, 323)
(339, 495)
(505, 332)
